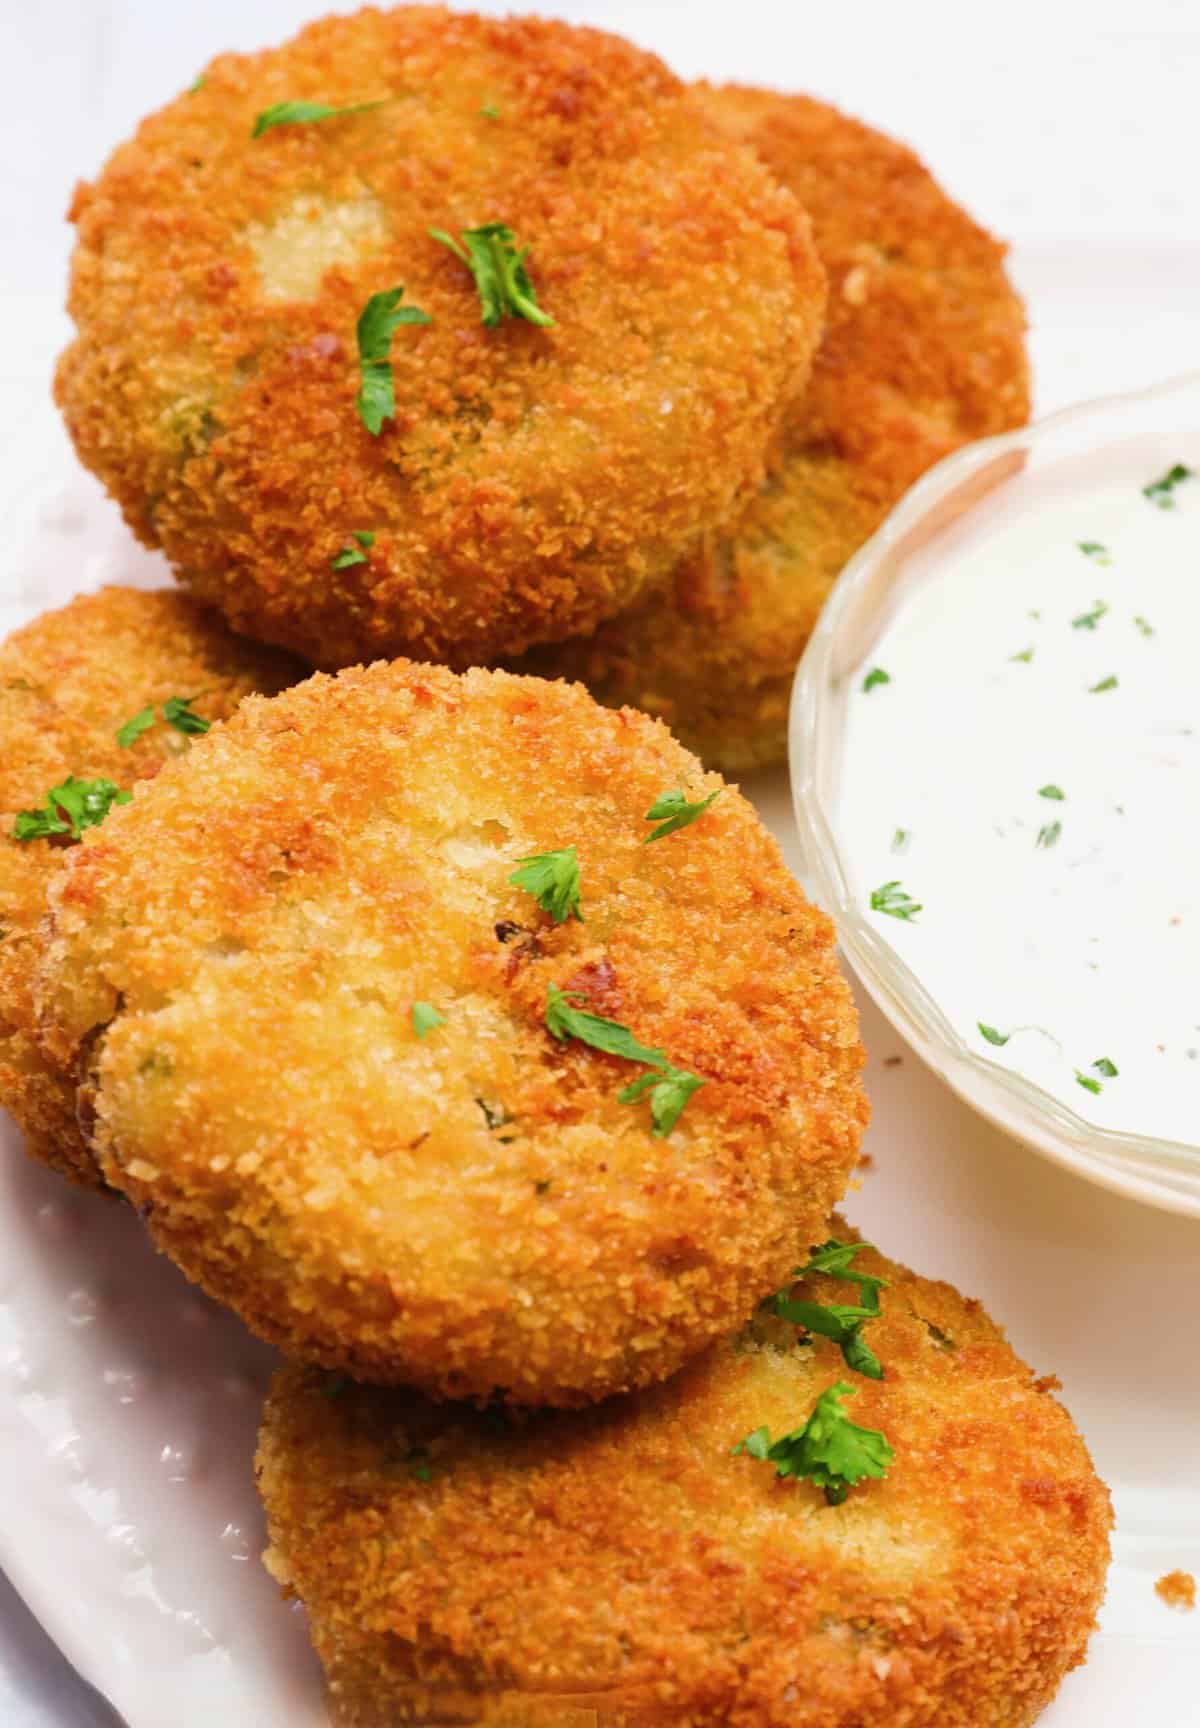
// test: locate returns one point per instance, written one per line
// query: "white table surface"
(1072, 128)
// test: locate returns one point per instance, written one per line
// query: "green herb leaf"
(829, 1450)
(566, 1021)
(876, 676)
(1146, 628)
(133, 729)
(1107, 1068)
(895, 901)
(1026, 655)
(1095, 551)
(1087, 1082)
(1089, 620)
(505, 289)
(991, 1034)
(177, 712)
(835, 1321)
(900, 840)
(425, 1018)
(553, 880)
(69, 809)
(198, 85)
(378, 322)
(304, 114)
(490, 111)
(669, 1092)
(835, 1259)
(350, 555)
(1049, 835)
(1051, 792)
(1161, 491)
(672, 811)
(1109, 683)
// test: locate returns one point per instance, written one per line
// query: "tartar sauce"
(1020, 795)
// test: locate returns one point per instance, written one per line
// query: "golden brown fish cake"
(68, 682)
(620, 1568)
(923, 351)
(533, 479)
(239, 953)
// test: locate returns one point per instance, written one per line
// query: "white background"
(1071, 128)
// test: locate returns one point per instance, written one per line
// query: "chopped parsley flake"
(553, 880)
(1025, 656)
(1095, 551)
(197, 86)
(900, 840)
(490, 111)
(1107, 1068)
(349, 554)
(895, 901)
(425, 1018)
(669, 1087)
(69, 809)
(829, 1449)
(991, 1034)
(505, 288)
(378, 322)
(671, 811)
(1088, 1083)
(1109, 683)
(1089, 620)
(177, 712)
(1049, 835)
(839, 1321)
(304, 114)
(1146, 628)
(132, 730)
(875, 676)
(1161, 491)
(1055, 792)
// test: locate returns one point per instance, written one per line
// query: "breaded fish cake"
(68, 682)
(621, 1568)
(533, 477)
(923, 352)
(328, 1055)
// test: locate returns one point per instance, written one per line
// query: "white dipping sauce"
(1070, 926)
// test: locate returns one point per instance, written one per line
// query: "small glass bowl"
(1156, 424)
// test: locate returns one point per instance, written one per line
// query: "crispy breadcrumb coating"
(238, 953)
(533, 479)
(1177, 1590)
(618, 1568)
(923, 352)
(68, 681)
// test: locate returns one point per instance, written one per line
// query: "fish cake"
(622, 1567)
(68, 682)
(335, 1054)
(533, 477)
(923, 352)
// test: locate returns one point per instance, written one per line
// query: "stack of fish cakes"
(467, 1037)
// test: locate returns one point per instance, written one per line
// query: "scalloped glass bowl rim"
(1164, 1173)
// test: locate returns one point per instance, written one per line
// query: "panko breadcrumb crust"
(618, 1568)
(923, 352)
(533, 480)
(68, 681)
(236, 956)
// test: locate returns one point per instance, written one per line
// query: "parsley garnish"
(1109, 683)
(830, 1450)
(177, 712)
(669, 1087)
(198, 85)
(1087, 1082)
(895, 901)
(839, 1321)
(1089, 620)
(353, 554)
(1160, 491)
(425, 1018)
(900, 840)
(1026, 655)
(1051, 792)
(991, 1034)
(1146, 628)
(553, 880)
(1095, 551)
(378, 322)
(69, 809)
(132, 730)
(303, 114)
(671, 810)
(875, 676)
(490, 111)
(505, 290)
(1049, 835)
(1107, 1068)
